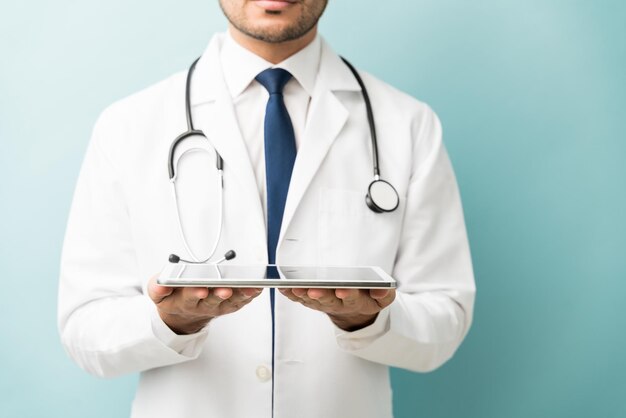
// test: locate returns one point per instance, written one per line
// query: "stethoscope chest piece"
(382, 197)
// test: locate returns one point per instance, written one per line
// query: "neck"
(272, 52)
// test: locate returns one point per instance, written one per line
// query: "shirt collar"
(240, 66)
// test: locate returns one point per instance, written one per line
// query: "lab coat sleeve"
(107, 323)
(433, 308)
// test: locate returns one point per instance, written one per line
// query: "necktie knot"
(274, 79)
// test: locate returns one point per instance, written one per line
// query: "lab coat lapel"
(326, 119)
(324, 123)
(214, 110)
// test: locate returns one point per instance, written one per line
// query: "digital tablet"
(226, 275)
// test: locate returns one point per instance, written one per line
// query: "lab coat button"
(263, 373)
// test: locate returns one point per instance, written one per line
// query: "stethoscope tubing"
(370, 117)
(372, 202)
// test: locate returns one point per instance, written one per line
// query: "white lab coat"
(123, 226)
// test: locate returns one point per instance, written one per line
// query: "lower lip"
(273, 4)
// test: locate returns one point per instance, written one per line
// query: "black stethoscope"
(381, 196)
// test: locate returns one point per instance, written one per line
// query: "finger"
(190, 296)
(251, 292)
(241, 295)
(199, 292)
(309, 302)
(212, 300)
(223, 292)
(301, 296)
(383, 297)
(321, 295)
(352, 298)
(378, 293)
(156, 292)
(328, 300)
(193, 294)
(288, 293)
(298, 292)
(347, 295)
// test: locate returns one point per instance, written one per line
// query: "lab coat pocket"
(346, 227)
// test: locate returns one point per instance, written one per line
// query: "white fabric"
(122, 227)
(240, 67)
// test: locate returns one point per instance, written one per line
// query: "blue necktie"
(280, 155)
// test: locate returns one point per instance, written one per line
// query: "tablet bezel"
(168, 277)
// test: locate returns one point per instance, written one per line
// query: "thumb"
(378, 293)
(157, 292)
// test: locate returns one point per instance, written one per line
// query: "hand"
(187, 310)
(349, 309)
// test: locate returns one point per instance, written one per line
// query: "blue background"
(532, 96)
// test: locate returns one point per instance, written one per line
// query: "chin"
(271, 31)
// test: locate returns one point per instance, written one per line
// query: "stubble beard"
(307, 21)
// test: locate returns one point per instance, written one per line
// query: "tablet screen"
(274, 276)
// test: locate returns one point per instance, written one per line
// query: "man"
(242, 352)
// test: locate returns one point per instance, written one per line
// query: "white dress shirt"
(240, 67)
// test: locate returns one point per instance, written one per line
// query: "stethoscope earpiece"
(229, 255)
(381, 197)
